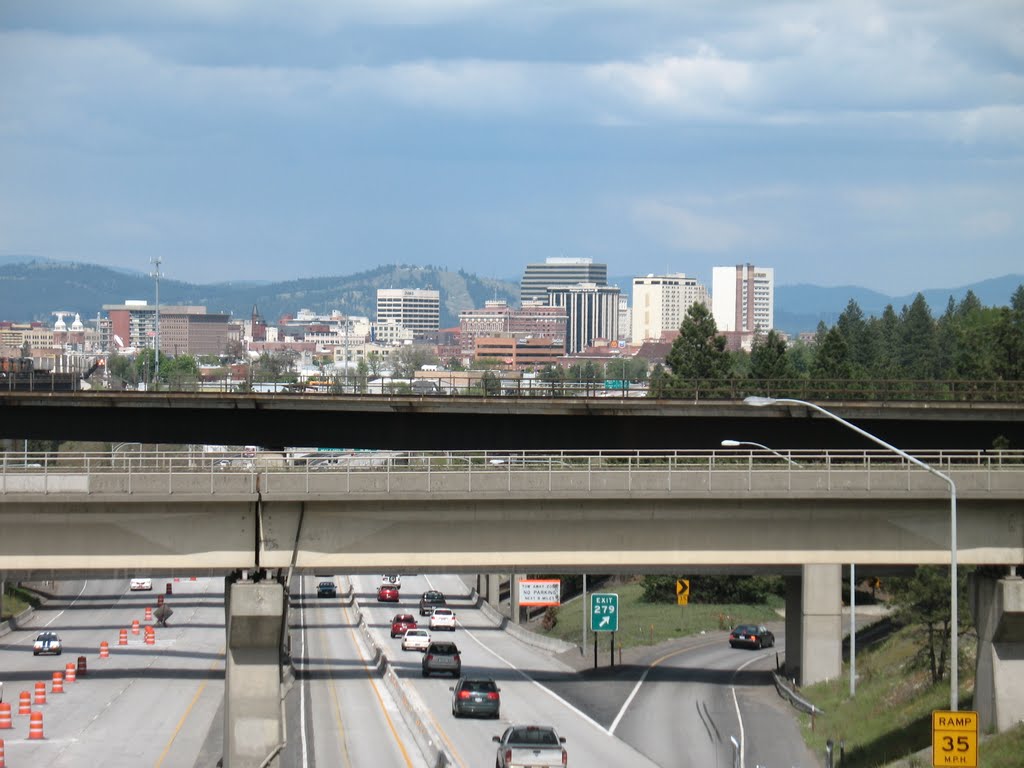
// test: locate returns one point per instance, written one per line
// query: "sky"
(853, 142)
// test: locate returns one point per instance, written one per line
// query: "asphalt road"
(145, 705)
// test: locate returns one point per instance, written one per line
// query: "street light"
(954, 674)
(737, 443)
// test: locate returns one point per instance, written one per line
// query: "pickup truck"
(537, 746)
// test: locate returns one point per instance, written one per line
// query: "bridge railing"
(280, 474)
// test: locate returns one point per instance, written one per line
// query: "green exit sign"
(604, 612)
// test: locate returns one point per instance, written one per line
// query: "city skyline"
(841, 144)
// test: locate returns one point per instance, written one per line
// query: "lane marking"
(304, 685)
(739, 717)
(30, 633)
(373, 684)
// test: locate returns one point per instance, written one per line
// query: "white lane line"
(525, 676)
(629, 700)
(305, 668)
(739, 717)
(30, 635)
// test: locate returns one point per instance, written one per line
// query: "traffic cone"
(122, 638)
(82, 671)
(149, 613)
(3, 762)
(69, 672)
(35, 725)
(135, 626)
(57, 686)
(5, 716)
(151, 637)
(104, 650)
(40, 694)
(25, 703)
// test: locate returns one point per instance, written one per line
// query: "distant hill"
(33, 288)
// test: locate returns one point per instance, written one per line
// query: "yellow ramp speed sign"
(683, 592)
(954, 739)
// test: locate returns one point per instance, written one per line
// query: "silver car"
(442, 657)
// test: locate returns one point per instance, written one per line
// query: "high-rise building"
(660, 302)
(593, 313)
(498, 319)
(743, 298)
(416, 309)
(557, 272)
(183, 329)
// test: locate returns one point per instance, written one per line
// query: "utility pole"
(156, 276)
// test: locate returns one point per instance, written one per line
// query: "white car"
(47, 642)
(391, 580)
(415, 640)
(443, 618)
(141, 585)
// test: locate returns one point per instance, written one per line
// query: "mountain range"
(34, 288)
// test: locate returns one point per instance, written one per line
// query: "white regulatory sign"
(540, 592)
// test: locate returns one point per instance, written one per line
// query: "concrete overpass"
(678, 512)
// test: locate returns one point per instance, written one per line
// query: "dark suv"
(431, 600)
(326, 589)
(442, 657)
(476, 696)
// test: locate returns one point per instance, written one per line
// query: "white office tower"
(416, 309)
(743, 298)
(558, 272)
(593, 313)
(660, 302)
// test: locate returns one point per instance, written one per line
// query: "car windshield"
(433, 596)
(403, 617)
(444, 648)
(483, 686)
(442, 612)
(530, 736)
(47, 636)
(746, 629)
(416, 633)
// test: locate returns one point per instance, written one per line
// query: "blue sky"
(878, 144)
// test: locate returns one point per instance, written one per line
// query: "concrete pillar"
(513, 599)
(821, 636)
(253, 728)
(493, 595)
(794, 624)
(998, 609)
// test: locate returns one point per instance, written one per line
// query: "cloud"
(684, 229)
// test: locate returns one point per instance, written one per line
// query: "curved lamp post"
(954, 682)
(737, 443)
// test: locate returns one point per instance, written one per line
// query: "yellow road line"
(373, 683)
(184, 717)
(342, 731)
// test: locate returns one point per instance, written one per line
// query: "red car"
(402, 622)
(387, 595)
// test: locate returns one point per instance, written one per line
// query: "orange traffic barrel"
(40, 697)
(135, 626)
(122, 638)
(104, 650)
(82, 671)
(5, 716)
(149, 613)
(35, 725)
(25, 703)
(57, 686)
(151, 638)
(3, 761)
(69, 672)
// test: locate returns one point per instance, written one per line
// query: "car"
(140, 585)
(416, 640)
(387, 595)
(47, 642)
(476, 696)
(401, 622)
(533, 745)
(391, 579)
(751, 636)
(443, 618)
(430, 600)
(326, 589)
(442, 657)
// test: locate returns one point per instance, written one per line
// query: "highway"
(145, 705)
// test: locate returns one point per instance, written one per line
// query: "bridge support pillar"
(253, 727)
(998, 609)
(492, 590)
(814, 644)
(513, 598)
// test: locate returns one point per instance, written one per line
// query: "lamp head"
(730, 443)
(759, 401)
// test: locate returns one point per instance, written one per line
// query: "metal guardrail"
(395, 472)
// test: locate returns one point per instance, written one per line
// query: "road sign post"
(954, 739)
(604, 617)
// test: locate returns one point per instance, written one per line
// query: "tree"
(697, 358)
(924, 599)
(831, 362)
(768, 359)
(180, 373)
(411, 358)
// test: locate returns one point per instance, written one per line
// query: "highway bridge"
(497, 423)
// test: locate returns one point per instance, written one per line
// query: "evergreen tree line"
(970, 352)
